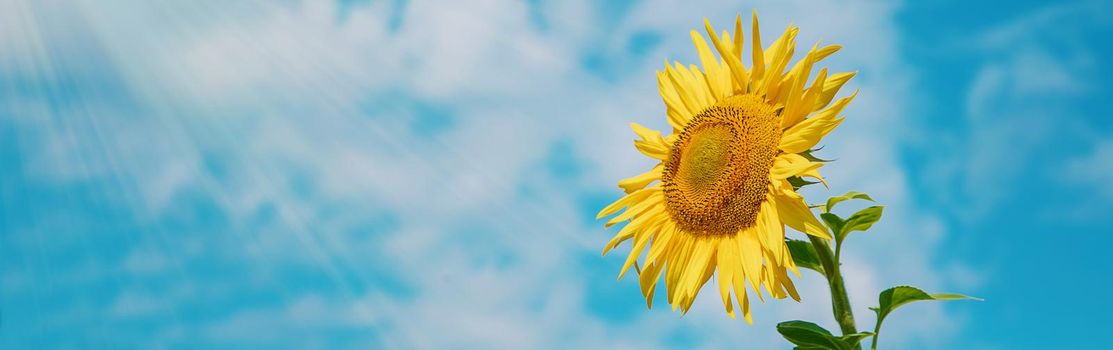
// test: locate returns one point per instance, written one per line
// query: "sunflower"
(718, 201)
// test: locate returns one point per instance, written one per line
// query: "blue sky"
(424, 174)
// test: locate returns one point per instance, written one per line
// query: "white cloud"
(131, 304)
(1032, 70)
(1093, 170)
(298, 324)
(146, 261)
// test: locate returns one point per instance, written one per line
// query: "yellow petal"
(627, 200)
(746, 308)
(794, 108)
(678, 113)
(708, 271)
(641, 239)
(677, 119)
(680, 82)
(771, 284)
(806, 134)
(790, 164)
(660, 244)
(751, 254)
(782, 278)
(699, 85)
(791, 265)
(826, 51)
(836, 108)
(738, 278)
(638, 182)
(738, 38)
(779, 45)
(831, 87)
(781, 52)
(736, 69)
(814, 173)
(679, 259)
(758, 55)
(637, 225)
(796, 214)
(655, 199)
(726, 273)
(728, 43)
(811, 94)
(647, 134)
(651, 143)
(720, 87)
(702, 253)
(648, 281)
(773, 230)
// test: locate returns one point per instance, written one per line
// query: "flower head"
(720, 197)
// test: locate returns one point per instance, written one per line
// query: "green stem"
(840, 301)
(876, 332)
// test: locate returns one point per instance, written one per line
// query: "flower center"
(717, 173)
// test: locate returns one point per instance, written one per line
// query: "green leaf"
(848, 196)
(953, 296)
(799, 182)
(807, 335)
(892, 298)
(861, 221)
(809, 156)
(895, 297)
(804, 255)
(835, 223)
(854, 339)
